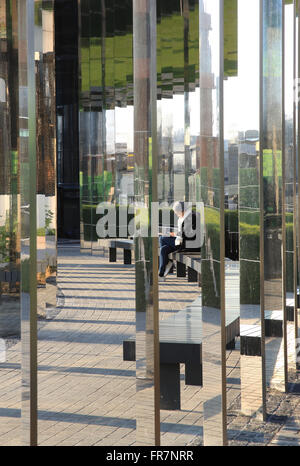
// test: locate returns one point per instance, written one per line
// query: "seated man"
(187, 238)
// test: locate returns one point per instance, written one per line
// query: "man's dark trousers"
(167, 245)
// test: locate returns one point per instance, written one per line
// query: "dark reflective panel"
(212, 193)
(9, 220)
(273, 182)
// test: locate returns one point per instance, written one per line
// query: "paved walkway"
(86, 392)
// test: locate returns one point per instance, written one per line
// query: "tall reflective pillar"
(27, 124)
(290, 185)
(273, 170)
(49, 143)
(145, 189)
(297, 142)
(212, 191)
(9, 213)
(250, 204)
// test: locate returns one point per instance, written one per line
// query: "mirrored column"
(84, 125)
(145, 147)
(106, 116)
(9, 175)
(212, 187)
(297, 141)
(290, 182)
(244, 107)
(27, 122)
(272, 140)
(50, 154)
(40, 160)
(9, 221)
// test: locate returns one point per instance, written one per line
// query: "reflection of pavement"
(273, 294)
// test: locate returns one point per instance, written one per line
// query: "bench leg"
(170, 386)
(129, 350)
(127, 256)
(181, 269)
(193, 373)
(192, 275)
(112, 255)
(290, 313)
(231, 344)
(273, 328)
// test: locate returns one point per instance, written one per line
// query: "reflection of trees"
(272, 143)
(249, 219)
(210, 268)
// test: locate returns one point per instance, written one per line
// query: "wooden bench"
(180, 338)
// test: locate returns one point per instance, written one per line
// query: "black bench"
(184, 260)
(190, 261)
(125, 244)
(180, 338)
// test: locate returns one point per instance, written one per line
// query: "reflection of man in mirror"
(187, 237)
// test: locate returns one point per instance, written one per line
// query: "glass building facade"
(188, 100)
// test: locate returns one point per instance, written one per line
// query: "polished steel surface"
(212, 190)
(242, 131)
(290, 274)
(215, 121)
(10, 322)
(296, 142)
(27, 122)
(37, 190)
(145, 190)
(9, 198)
(106, 114)
(272, 140)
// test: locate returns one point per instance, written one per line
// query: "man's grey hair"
(178, 206)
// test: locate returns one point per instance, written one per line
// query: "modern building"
(130, 104)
